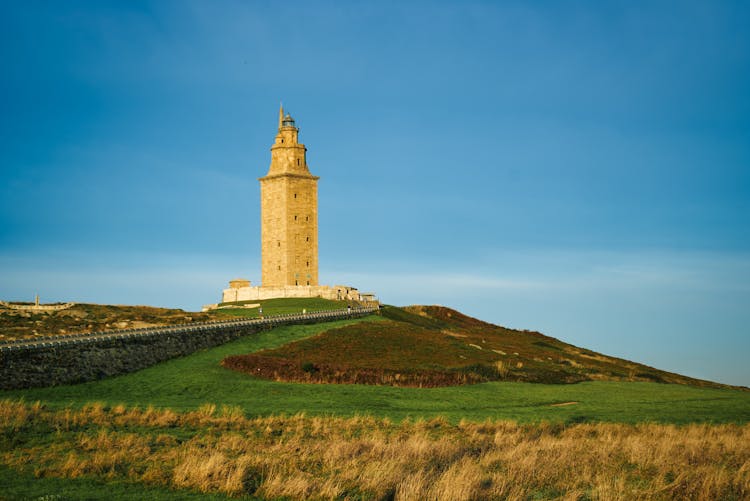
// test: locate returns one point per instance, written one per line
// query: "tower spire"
(281, 114)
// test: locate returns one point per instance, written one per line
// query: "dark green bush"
(309, 367)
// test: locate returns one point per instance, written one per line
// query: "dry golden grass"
(300, 457)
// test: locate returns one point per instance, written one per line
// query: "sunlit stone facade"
(289, 213)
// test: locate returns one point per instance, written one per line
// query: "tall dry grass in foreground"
(303, 457)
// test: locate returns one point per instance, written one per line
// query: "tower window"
(279, 243)
(308, 264)
(282, 140)
(307, 239)
(279, 267)
(298, 161)
(308, 282)
(307, 218)
(295, 195)
(295, 218)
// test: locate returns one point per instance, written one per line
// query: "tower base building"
(336, 293)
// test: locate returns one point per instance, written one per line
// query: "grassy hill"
(82, 317)
(189, 428)
(430, 346)
(187, 383)
(123, 453)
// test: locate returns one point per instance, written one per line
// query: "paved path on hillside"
(197, 327)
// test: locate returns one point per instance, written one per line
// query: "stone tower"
(288, 213)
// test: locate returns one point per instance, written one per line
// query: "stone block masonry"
(76, 359)
(289, 228)
(289, 213)
(335, 293)
(36, 307)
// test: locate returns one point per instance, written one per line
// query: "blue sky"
(578, 168)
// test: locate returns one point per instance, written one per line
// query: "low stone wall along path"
(77, 358)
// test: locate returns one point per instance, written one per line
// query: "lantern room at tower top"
(288, 155)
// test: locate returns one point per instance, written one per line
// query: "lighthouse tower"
(289, 213)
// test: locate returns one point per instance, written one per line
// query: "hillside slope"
(83, 317)
(429, 346)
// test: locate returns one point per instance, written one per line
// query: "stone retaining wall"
(36, 306)
(89, 357)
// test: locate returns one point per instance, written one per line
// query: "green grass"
(85, 317)
(98, 317)
(189, 382)
(282, 306)
(432, 346)
(17, 486)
